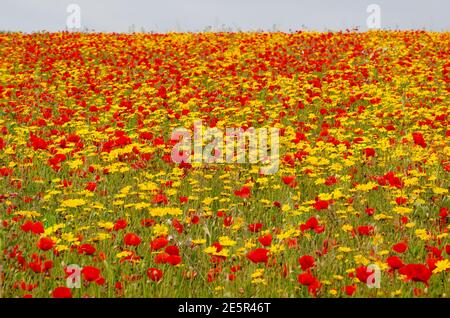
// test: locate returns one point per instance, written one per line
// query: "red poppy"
(37, 228)
(400, 247)
(256, 227)
(184, 199)
(195, 219)
(418, 139)
(312, 224)
(306, 279)
(265, 240)
(363, 273)
(132, 239)
(161, 258)
(350, 290)
(160, 198)
(26, 227)
(37, 143)
(177, 225)
(4, 172)
(395, 262)
(290, 181)
(118, 285)
(321, 205)
(174, 259)
(306, 262)
(365, 230)
(259, 255)
(331, 180)
(244, 192)
(87, 249)
(416, 272)
(120, 225)
(154, 274)
(172, 250)
(400, 200)
(45, 243)
(158, 243)
(369, 152)
(100, 281)
(90, 273)
(91, 186)
(62, 292)
(228, 220)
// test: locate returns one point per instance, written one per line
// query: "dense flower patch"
(86, 176)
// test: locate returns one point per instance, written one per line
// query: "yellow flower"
(359, 259)
(347, 228)
(53, 229)
(258, 273)
(226, 241)
(422, 234)
(69, 237)
(74, 164)
(106, 225)
(438, 190)
(366, 187)
(276, 248)
(147, 186)
(208, 201)
(160, 230)
(61, 248)
(123, 254)
(381, 216)
(73, 203)
(441, 266)
(28, 214)
(259, 281)
(165, 211)
(199, 241)
(333, 292)
(402, 210)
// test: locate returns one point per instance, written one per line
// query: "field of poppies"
(92, 205)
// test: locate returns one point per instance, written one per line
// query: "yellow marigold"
(441, 266)
(366, 187)
(73, 203)
(28, 214)
(163, 211)
(402, 210)
(422, 234)
(123, 254)
(106, 225)
(226, 241)
(344, 249)
(160, 230)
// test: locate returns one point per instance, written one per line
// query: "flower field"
(92, 205)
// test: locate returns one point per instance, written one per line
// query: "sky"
(219, 15)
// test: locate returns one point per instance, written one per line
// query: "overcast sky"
(245, 15)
